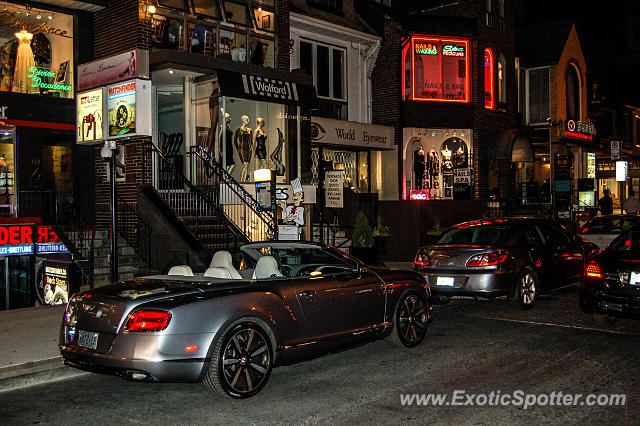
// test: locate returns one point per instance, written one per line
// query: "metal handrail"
(196, 207)
(228, 192)
(135, 231)
(73, 229)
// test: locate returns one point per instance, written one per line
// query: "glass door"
(7, 172)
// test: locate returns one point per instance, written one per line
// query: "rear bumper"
(599, 300)
(175, 370)
(489, 283)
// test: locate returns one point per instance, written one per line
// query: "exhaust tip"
(138, 376)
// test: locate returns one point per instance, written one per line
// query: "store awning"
(266, 89)
(511, 145)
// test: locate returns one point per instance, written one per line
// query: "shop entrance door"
(16, 289)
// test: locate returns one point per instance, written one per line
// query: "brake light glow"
(584, 230)
(148, 321)
(486, 259)
(191, 348)
(422, 260)
(593, 270)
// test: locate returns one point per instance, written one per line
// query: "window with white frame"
(538, 94)
(326, 63)
(502, 79)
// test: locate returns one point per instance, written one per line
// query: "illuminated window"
(573, 92)
(436, 69)
(488, 78)
(502, 79)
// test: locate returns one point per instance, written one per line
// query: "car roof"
(496, 221)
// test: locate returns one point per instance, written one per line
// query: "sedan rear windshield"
(482, 235)
(628, 243)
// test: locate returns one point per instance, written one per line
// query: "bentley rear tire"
(241, 361)
(410, 320)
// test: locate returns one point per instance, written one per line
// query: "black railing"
(73, 229)
(236, 203)
(135, 231)
(193, 204)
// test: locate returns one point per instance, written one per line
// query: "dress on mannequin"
(460, 158)
(447, 164)
(260, 138)
(242, 139)
(276, 155)
(419, 167)
(433, 163)
(24, 61)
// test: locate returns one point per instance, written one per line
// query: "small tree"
(362, 232)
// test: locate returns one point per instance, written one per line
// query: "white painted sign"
(349, 133)
(615, 150)
(334, 189)
(463, 176)
(124, 66)
(621, 171)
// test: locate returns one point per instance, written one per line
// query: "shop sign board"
(563, 185)
(621, 171)
(463, 176)
(349, 133)
(48, 248)
(580, 130)
(615, 150)
(124, 66)
(26, 234)
(89, 113)
(16, 250)
(418, 195)
(591, 165)
(288, 232)
(129, 109)
(334, 189)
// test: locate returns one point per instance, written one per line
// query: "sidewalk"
(29, 345)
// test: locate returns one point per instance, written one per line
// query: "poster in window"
(61, 75)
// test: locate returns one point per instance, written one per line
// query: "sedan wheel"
(410, 320)
(524, 294)
(241, 363)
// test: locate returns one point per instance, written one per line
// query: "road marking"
(561, 325)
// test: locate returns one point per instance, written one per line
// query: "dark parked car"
(601, 230)
(513, 257)
(611, 282)
(229, 328)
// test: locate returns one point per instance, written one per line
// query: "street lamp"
(108, 153)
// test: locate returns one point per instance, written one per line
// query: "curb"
(36, 373)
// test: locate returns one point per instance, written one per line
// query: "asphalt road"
(475, 347)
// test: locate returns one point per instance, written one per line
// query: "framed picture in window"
(266, 21)
(61, 75)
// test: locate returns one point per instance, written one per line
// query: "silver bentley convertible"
(228, 328)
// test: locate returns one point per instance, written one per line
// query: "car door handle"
(307, 293)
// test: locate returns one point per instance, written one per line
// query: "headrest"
(184, 270)
(266, 267)
(217, 272)
(221, 258)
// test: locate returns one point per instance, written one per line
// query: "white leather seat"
(266, 267)
(222, 259)
(184, 270)
(217, 272)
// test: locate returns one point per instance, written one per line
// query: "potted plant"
(381, 234)
(362, 241)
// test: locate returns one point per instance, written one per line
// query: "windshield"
(482, 235)
(628, 243)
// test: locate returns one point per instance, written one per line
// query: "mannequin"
(226, 136)
(260, 144)
(24, 62)
(447, 165)
(242, 141)
(214, 109)
(418, 167)
(432, 163)
(276, 155)
(460, 158)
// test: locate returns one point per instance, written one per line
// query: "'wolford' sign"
(339, 132)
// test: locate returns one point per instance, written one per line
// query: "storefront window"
(363, 171)
(7, 172)
(262, 52)
(439, 69)
(36, 51)
(170, 132)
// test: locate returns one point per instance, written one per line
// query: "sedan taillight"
(486, 259)
(592, 270)
(148, 321)
(422, 260)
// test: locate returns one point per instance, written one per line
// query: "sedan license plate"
(88, 339)
(444, 281)
(634, 279)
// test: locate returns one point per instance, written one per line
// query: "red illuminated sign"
(488, 78)
(26, 234)
(436, 69)
(580, 130)
(418, 195)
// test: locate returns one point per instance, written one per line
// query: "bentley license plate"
(634, 279)
(444, 281)
(88, 339)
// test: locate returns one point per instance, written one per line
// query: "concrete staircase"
(128, 261)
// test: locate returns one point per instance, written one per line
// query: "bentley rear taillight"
(146, 320)
(592, 270)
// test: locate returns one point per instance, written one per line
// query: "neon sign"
(426, 49)
(488, 78)
(452, 50)
(580, 130)
(418, 195)
(37, 75)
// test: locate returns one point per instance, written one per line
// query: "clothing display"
(433, 163)
(24, 61)
(276, 155)
(242, 142)
(447, 164)
(460, 158)
(261, 146)
(419, 167)
(229, 146)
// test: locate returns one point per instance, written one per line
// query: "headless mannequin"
(418, 167)
(226, 151)
(242, 141)
(260, 144)
(447, 164)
